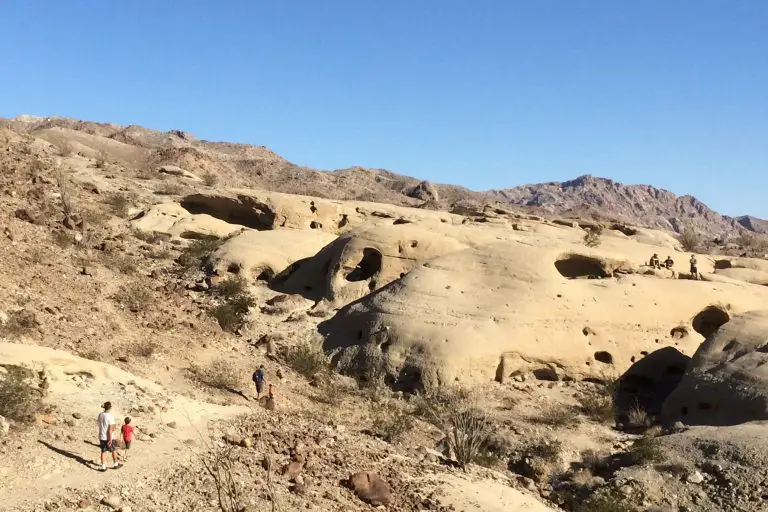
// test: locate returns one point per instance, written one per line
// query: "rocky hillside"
(258, 167)
(644, 205)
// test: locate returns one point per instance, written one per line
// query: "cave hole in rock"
(709, 320)
(604, 357)
(312, 207)
(266, 274)
(343, 221)
(723, 264)
(575, 266)
(369, 266)
(679, 332)
(233, 268)
(246, 211)
(315, 225)
(624, 229)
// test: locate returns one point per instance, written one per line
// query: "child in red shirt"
(127, 431)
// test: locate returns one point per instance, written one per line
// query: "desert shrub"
(690, 239)
(638, 418)
(468, 429)
(18, 399)
(19, 322)
(65, 197)
(150, 237)
(210, 179)
(169, 189)
(231, 314)
(142, 348)
(646, 450)
(308, 359)
(35, 255)
(102, 157)
(389, 421)
(592, 237)
(218, 374)
(62, 238)
(91, 353)
(66, 149)
(560, 416)
(118, 204)
(605, 502)
(548, 450)
(196, 253)
(231, 287)
(598, 403)
(133, 298)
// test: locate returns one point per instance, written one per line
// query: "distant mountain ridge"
(643, 205)
(242, 165)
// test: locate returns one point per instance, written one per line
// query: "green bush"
(308, 359)
(231, 287)
(197, 253)
(646, 450)
(231, 314)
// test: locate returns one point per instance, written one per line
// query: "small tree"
(592, 237)
(690, 239)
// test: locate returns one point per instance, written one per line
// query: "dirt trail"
(64, 454)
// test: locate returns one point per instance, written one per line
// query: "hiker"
(258, 379)
(655, 261)
(669, 263)
(694, 267)
(107, 441)
(127, 433)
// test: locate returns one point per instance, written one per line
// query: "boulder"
(425, 191)
(727, 380)
(5, 427)
(371, 488)
(178, 171)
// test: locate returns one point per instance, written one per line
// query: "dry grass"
(210, 179)
(218, 374)
(118, 204)
(559, 416)
(389, 420)
(62, 239)
(197, 253)
(102, 158)
(170, 189)
(143, 348)
(646, 450)
(598, 404)
(231, 287)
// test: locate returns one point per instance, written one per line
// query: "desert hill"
(428, 349)
(256, 166)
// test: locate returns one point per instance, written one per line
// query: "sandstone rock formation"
(513, 308)
(727, 380)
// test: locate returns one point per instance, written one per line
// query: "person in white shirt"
(107, 441)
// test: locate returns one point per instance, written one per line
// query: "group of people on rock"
(669, 263)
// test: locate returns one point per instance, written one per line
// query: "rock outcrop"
(727, 380)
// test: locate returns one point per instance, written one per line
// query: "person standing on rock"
(669, 263)
(258, 379)
(107, 441)
(694, 267)
(655, 261)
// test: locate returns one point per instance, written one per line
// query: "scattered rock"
(694, 478)
(371, 488)
(112, 502)
(4, 426)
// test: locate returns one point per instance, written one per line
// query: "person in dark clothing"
(669, 263)
(694, 267)
(258, 379)
(655, 261)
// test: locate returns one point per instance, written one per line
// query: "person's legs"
(103, 448)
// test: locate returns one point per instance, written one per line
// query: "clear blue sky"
(487, 94)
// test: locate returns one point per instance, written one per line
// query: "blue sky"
(483, 93)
